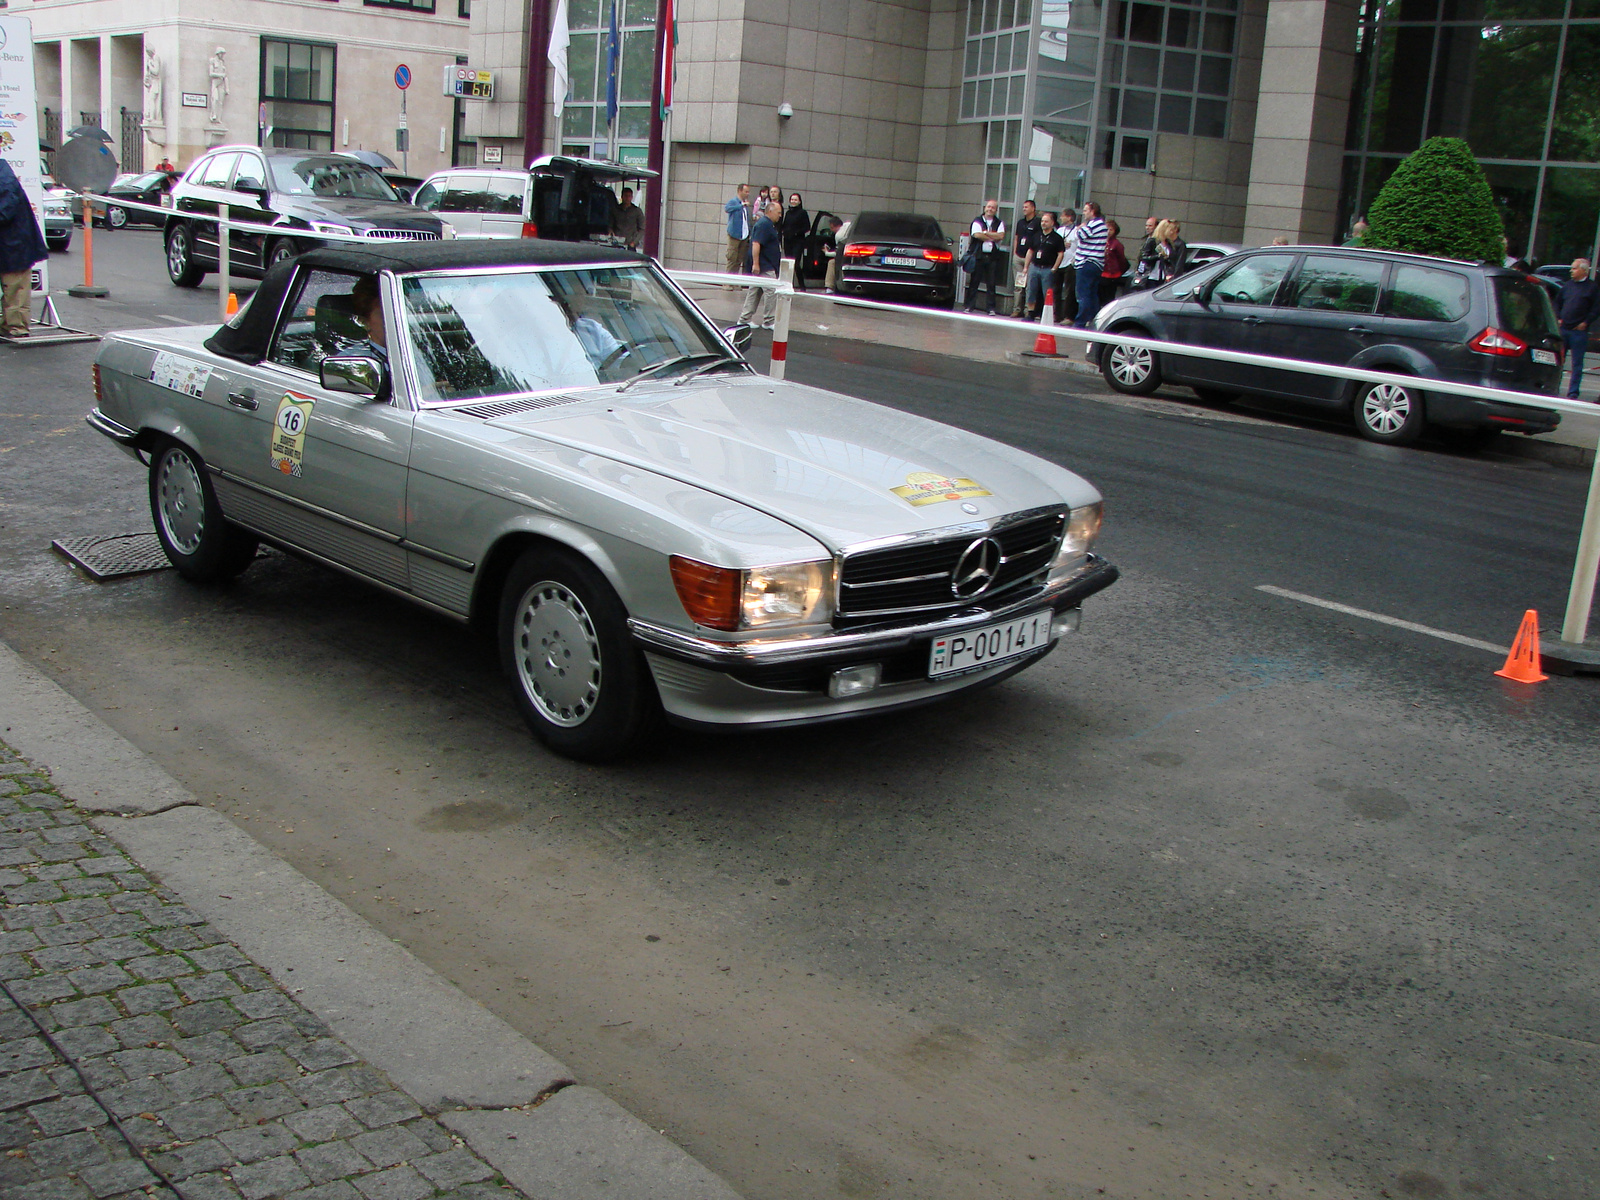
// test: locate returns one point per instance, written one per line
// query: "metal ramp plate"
(114, 555)
(50, 335)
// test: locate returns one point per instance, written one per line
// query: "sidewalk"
(815, 312)
(182, 1008)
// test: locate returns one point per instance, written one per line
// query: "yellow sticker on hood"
(928, 487)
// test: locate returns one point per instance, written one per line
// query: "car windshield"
(331, 177)
(508, 333)
(903, 226)
(139, 182)
(1525, 309)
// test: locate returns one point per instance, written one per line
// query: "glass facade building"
(1518, 80)
(583, 121)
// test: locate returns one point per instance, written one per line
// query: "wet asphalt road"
(1230, 896)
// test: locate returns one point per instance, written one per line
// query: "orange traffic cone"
(233, 303)
(1045, 343)
(1522, 664)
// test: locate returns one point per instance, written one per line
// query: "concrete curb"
(439, 1045)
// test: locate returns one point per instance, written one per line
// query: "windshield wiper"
(726, 360)
(656, 368)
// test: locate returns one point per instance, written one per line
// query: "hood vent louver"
(506, 408)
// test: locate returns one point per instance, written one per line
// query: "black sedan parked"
(148, 188)
(1379, 310)
(905, 254)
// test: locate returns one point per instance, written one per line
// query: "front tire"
(199, 541)
(1389, 414)
(181, 268)
(1131, 370)
(580, 683)
(281, 251)
(116, 218)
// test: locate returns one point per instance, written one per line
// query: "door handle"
(1358, 329)
(1250, 321)
(243, 400)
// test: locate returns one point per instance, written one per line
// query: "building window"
(464, 9)
(297, 91)
(421, 6)
(583, 121)
(995, 71)
(1168, 69)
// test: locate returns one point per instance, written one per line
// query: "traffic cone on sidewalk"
(1045, 343)
(233, 303)
(1522, 664)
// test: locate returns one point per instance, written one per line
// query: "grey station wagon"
(1402, 313)
(549, 440)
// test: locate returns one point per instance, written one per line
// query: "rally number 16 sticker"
(289, 433)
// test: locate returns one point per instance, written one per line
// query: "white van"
(480, 203)
(560, 198)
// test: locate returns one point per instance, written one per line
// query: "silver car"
(550, 441)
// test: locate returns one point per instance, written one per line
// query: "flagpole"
(655, 213)
(539, 22)
(613, 55)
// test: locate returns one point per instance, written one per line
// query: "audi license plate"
(958, 652)
(1545, 358)
(896, 261)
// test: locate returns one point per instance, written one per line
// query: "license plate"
(1545, 357)
(896, 261)
(976, 648)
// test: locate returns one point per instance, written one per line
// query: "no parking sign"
(402, 77)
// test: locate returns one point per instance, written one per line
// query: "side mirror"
(740, 335)
(356, 374)
(251, 188)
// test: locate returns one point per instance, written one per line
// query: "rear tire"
(181, 268)
(199, 541)
(1133, 371)
(1389, 414)
(579, 681)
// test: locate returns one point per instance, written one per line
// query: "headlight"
(1083, 526)
(330, 227)
(755, 597)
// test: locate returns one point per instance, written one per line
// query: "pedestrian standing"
(1358, 232)
(796, 228)
(988, 231)
(1170, 251)
(1116, 265)
(768, 243)
(628, 223)
(1022, 241)
(1147, 266)
(21, 245)
(1066, 276)
(738, 212)
(1576, 310)
(1043, 257)
(1180, 250)
(841, 237)
(1089, 261)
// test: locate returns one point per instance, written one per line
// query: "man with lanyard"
(1026, 237)
(1090, 260)
(1042, 259)
(988, 231)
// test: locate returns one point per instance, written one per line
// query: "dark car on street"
(1405, 314)
(904, 254)
(296, 193)
(148, 188)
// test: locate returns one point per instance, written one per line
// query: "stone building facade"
(317, 74)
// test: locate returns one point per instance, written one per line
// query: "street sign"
(402, 140)
(468, 83)
(404, 123)
(402, 77)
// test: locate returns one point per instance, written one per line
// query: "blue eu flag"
(613, 53)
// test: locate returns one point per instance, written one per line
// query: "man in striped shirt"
(1089, 261)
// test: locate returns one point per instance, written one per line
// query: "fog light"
(1065, 622)
(854, 681)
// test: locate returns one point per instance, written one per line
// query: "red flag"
(669, 58)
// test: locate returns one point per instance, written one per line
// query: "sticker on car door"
(289, 433)
(179, 374)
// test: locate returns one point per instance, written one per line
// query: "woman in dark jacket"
(21, 245)
(796, 227)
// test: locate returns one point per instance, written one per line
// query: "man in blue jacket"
(21, 245)
(738, 210)
(765, 236)
(1576, 310)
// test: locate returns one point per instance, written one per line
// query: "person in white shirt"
(989, 259)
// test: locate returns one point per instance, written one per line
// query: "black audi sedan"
(903, 254)
(294, 195)
(1406, 314)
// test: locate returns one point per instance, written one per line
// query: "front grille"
(916, 576)
(402, 235)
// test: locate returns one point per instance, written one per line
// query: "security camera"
(786, 110)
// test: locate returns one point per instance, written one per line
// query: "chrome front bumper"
(856, 645)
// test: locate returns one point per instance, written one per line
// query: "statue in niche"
(153, 108)
(219, 84)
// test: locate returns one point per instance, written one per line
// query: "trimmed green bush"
(1437, 202)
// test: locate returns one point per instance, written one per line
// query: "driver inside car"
(368, 305)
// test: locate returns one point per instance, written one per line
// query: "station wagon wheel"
(281, 250)
(199, 541)
(579, 681)
(1389, 413)
(1131, 370)
(181, 268)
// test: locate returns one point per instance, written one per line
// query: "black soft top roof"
(247, 342)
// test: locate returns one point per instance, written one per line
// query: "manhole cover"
(116, 554)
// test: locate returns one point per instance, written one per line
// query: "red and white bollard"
(780, 323)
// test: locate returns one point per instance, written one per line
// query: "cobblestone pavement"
(223, 1081)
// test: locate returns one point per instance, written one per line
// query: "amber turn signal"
(710, 594)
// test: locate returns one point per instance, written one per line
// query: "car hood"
(824, 463)
(353, 211)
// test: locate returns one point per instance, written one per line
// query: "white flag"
(559, 38)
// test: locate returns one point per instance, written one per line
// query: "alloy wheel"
(557, 653)
(1130, 365)
(182, 502)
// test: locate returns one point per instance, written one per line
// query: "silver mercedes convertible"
(550, 441)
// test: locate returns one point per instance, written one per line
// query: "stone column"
(1307, 69)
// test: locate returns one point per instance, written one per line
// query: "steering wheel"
(611, 358)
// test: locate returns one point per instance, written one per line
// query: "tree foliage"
(1437, 202)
